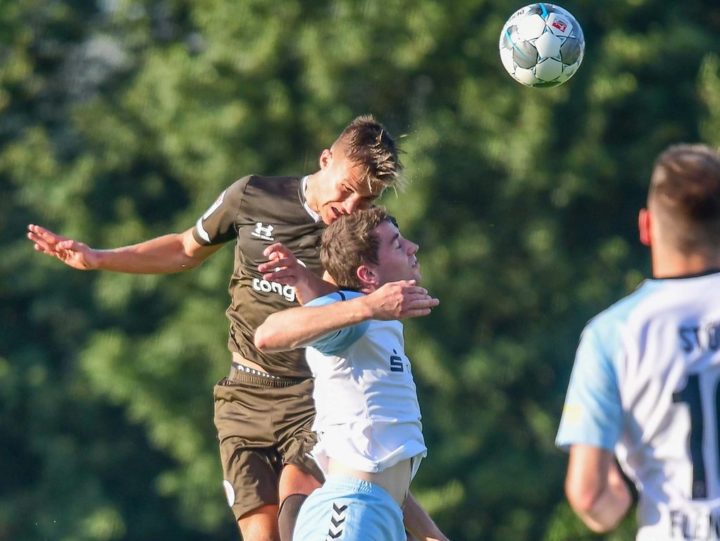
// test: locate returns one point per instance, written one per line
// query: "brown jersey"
(258, 211)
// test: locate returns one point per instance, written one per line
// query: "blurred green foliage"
(123, 119)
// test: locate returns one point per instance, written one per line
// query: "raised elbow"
(268, 338)
(261, 339)
(271, 338)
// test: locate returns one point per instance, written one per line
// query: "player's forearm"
(418, 522)
(312, 287)
(161, 255)
(297, 327)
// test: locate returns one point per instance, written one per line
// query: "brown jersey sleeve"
(219, 223)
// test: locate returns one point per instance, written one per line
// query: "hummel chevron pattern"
(337, 522)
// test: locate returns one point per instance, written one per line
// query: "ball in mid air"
(541, 45)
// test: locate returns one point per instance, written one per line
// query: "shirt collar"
(303, 190)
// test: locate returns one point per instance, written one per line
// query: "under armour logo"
(337, 521)
(263, 231)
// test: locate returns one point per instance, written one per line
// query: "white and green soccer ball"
(541, 45)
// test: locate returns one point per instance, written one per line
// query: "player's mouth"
(336, 212)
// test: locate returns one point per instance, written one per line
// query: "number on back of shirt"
(700, 394)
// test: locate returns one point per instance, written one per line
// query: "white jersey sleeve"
(336, 341)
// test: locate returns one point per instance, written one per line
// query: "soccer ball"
(541, 45)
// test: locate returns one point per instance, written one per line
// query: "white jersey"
(645, 386)
(367, 412)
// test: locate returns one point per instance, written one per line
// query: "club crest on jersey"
(263, 232)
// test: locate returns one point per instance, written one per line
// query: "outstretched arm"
(297, 327)
(595, 488)
(418, 523)
(161, 255)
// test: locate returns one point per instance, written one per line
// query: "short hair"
(351, 241)
(367, 143)
(684, 196)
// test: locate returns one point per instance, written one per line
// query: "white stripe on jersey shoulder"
(201, 230)
(199, 224)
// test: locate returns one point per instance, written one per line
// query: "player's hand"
(282, 266)
(401, 300)
(71, 252)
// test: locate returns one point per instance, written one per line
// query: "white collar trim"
(314, 215)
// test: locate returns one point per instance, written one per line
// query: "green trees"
(123, 120)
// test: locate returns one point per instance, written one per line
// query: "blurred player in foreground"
(370, 440)
(644, 387)
(267, 473)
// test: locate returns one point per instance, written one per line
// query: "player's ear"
(325, 158)
(644, 227)
(367, 275)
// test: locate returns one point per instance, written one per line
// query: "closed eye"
(396, 241)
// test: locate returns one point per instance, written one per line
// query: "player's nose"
(351, 204)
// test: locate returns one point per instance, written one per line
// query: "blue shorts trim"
(348, 509)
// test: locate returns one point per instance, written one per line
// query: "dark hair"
(685, 196)
(351, 241)
(366, 142)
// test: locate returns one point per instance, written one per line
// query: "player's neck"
(310, 194)
(670, 263)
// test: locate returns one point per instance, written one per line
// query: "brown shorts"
(263, 423)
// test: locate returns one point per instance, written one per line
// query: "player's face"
(397, 256)
(341, 190)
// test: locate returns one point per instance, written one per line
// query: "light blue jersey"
(645, 387)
